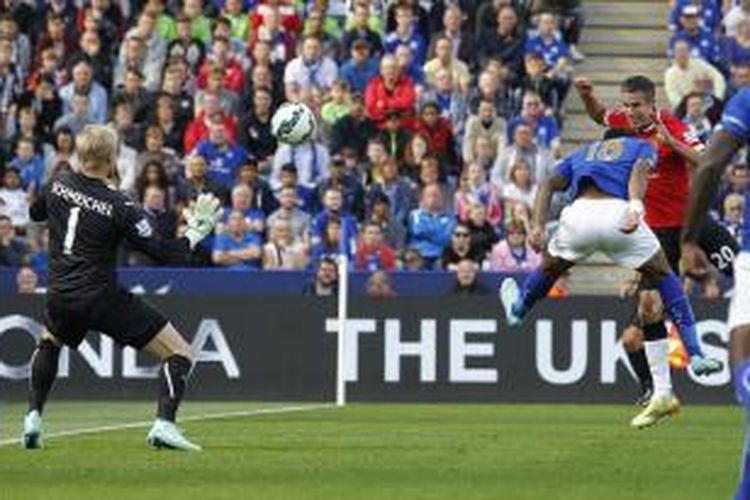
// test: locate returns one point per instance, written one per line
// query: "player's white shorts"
(594, 225)
(739, 307)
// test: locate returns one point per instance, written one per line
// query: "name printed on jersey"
(82, 200)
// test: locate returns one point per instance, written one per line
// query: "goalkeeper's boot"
(702, 365)
(32, 431)
(658, 409)
(165, 434)
(509, 296)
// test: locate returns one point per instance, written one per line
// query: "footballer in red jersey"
(665, 203)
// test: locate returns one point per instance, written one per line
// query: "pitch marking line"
(197, 418)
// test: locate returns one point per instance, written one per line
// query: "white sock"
(657, 353)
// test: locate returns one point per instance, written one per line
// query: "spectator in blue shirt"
(237, 248)
(555, 52)
(84, 83)
(430, 228)
(399, 191)
(242, 202)
(350, 186)
(358, 70)
(703, 44)
(29, 165)
(406, 33)
(546, 131)
(333, 207)
(224, 158)
(330, 245)
(709, 14)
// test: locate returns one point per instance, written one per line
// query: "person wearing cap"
(709, 12)
(703, 44)
(360, 68)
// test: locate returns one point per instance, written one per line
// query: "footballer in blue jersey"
(732, 135)
(606, 181)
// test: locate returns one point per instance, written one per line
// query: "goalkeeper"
(88, 219)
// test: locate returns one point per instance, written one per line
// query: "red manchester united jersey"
(669, 183)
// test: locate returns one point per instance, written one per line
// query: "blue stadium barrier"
(199, 281)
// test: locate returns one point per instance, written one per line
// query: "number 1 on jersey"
(70, 234)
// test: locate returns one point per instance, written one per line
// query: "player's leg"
(634, 345)
(43, 363)
(518, 302)
(739, 349)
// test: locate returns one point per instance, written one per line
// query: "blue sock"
(536, 286)
(678, 308)
(742, 391)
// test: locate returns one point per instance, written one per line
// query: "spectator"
(156, 151)
(483, 233)
(430, 227)
(78, 116)
(29, 165)
(255, 129)
(307, 198)
(738, 13)
(506, 44)
(390, 91)
(702, 43)
(537, 80)
(263, 198)
(440, 136)
(709, 14)
(332, 243)
(379, 286)
(407, 34)
(241, 201)
(283, 250)
(554, 50)
(353, 130)
(326, 281)
(695, 117)
(740, 77)
(22, 56)
(163, 221)
(274, 33)
(484, 124)
(361, 31)
(27, 281)
(224, 157)
(521, 187)
(393, 138)
(733, 220)
(338, 105)
(185, 45)
(196, 181)
(416, 152)
(449, 99)
(398, 190)
(311, 68)
(13, 199)
(461, 40)
(513, 254)
(412, 260)
(12, 249)
(410, 67)
(523, 147)
(477, 190)
(445, 60)
(360, 68)
(311, 160)
(393, 231)
(460, 248)
(200, 25)
(373, 254)
(467, 279)
(212, 112)
(349, 186)
(145, 50)
(544, 127)
(324, 27)
(493, 89)
(333, 208)
(298, 220)
(84, 83)
(679, 78)
(154, 174)
(237, 248)
(429, 174)
(737, 48)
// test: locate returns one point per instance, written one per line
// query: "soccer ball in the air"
(293, 123)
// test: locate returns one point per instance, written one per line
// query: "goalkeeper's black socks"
(172, 381)
(43, 373)
(640, 366)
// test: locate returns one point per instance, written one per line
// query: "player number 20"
(70, 233)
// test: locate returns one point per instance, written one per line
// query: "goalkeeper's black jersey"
(88, 220)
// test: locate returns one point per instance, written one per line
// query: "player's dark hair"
(641, 84)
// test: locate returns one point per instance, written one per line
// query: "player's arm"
(594, 108)
(636, 191)
(689, 152)
(139, 234)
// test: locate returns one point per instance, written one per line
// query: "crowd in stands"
(436, 122)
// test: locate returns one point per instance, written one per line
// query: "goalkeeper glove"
(202, 217)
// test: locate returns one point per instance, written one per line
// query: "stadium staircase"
(621, 38)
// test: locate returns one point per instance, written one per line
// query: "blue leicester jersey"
(736, 121)
(607, 164)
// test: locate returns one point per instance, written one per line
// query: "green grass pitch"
(379, 451)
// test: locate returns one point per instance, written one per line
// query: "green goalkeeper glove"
(202, 218)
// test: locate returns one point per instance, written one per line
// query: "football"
(293, 123)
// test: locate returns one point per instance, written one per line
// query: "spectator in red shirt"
(439, 132)
(197, 130)
(372, 253)
(390, 91)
